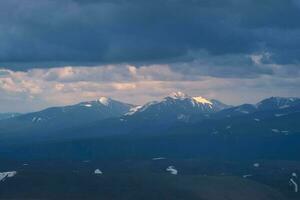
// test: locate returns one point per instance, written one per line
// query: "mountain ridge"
(93, 118)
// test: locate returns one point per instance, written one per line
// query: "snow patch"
(247, 175)
(98, 172)
(275, 130)
(257, 119)
(284, 106)
(159, 158)
(183, 117)
(4, 175)
(293, 182)
(279, 115)
(202, 100)
(242, 111)
(256, 165)
(172, 170)
(134, 110)
(87, 105)
(292, 99)
(146, 106)
(104, 101)
(280, 131)
(36, 119)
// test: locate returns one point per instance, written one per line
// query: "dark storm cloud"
(45, 33)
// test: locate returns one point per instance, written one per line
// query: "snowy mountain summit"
(197, 102)
(178, 106)
(181, 96)
(104, 100)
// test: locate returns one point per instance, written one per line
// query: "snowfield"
(159, 158)
(4, 175)
(293, 182)
(172, 170)
(98, 172)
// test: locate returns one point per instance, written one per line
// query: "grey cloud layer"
(57, 52)
(45, 33)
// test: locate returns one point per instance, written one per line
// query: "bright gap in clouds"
(40, 88)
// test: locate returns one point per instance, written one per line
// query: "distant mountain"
(255, 135)
(273, 106)
(274, 103)
(8, 115)
(271, 117)
(177, 113)
(155, 117)
(177, 107)
(58, 118)
(275, 115)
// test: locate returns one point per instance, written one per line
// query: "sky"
(60, 52)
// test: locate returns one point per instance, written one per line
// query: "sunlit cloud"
(40, 88)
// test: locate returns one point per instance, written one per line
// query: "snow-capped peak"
(178, 95)
(104, 100)
(277, 103)
(202, 100)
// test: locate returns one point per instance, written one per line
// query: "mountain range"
(58, 118)
(177, 111)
